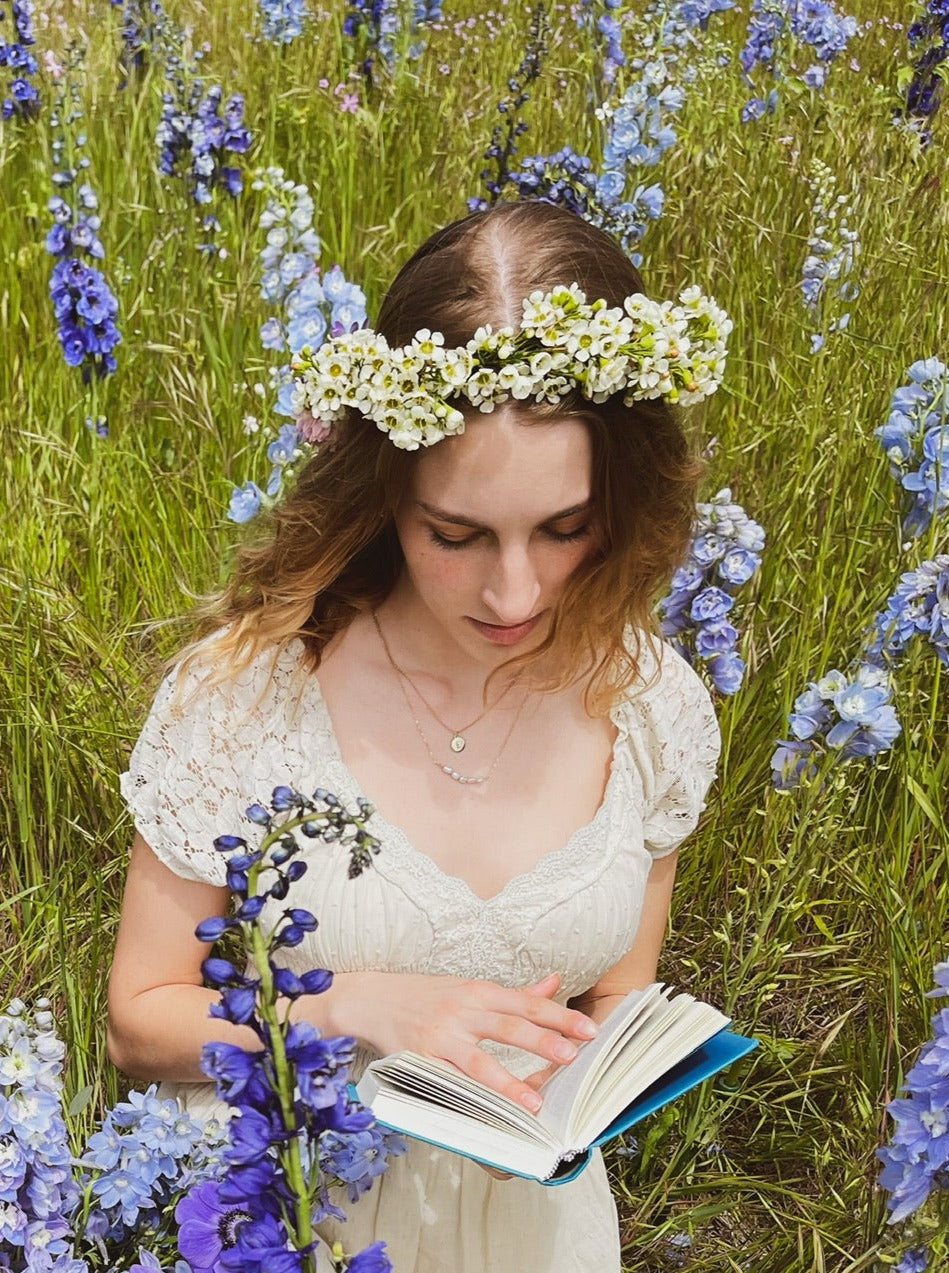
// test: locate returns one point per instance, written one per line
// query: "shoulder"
(217, 681)
(667, 696)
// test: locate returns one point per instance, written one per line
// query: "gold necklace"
(458, 741)
(447, 769)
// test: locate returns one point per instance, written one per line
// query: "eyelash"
(568, 538)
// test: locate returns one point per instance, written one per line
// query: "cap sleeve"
(190, 775)
(679, 747)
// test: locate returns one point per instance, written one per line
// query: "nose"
(513, 589)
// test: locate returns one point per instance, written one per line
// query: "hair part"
(329, 551)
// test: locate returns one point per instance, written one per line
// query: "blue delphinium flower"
(845, 714)
(282, 21)
(314, 305)
(830, 265)
(23, 98)
(84, 305)
(292, 1092)
(916, 1160)
(602, 18)
(777, 31)
(144, 26)
(503, 146)
(915, 1260)
(144, 1152)
(37, 1190)
(916, 440)
(195, 137)
(724, 554)
(919, 608)
(385, 30)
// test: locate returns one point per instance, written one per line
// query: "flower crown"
(647, 349)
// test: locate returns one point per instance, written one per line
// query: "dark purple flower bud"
(289, 935)
(282, 853)
(280, 888)
(295, 870)
(220, 972)
(257, 813)
(250, 908)
(316, 981)
(228, 843)
(303, 918)
(287, 983)
(210, 930)
(283, 798)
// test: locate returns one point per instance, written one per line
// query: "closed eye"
(558, 537)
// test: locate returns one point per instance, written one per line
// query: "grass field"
(813, 916)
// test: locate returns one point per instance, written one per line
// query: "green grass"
(814, 917)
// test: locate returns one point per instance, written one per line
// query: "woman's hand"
(447, 1017)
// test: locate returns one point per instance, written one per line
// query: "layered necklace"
(457, 740)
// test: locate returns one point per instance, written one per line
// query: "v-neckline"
(390, 832)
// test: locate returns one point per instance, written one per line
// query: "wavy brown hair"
(328, 551)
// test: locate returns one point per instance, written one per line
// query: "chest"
(545, 768)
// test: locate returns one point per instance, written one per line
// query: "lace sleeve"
(188, 774)
(683, 740)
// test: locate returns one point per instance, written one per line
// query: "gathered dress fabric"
(193, 773)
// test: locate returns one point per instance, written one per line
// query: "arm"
(158, 1008)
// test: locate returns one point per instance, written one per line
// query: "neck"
(422, 648)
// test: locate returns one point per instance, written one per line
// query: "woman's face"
(495, 521)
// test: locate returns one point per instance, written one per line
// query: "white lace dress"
(575, 912)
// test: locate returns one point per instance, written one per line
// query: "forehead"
(504, 466)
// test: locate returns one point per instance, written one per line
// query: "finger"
(550, 1015)
(483, 1067)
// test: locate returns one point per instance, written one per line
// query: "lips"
(500, 634)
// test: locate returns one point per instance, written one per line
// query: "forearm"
(159, 1033)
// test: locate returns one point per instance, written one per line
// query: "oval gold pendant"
(457, 743)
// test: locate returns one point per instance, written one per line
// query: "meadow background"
(813, 916)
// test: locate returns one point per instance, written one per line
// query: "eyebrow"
(457, 520)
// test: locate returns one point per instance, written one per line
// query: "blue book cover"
(712, 1056)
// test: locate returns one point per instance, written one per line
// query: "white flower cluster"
(647, 349)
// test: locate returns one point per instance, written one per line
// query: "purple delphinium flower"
(144, 26)
(294, 1089)
(503, 146)
(723, 556)
(23, 99)
(929, 43)
(916, 440)
(84, 305)
(777, 30)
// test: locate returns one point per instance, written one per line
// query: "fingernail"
(587, 1029)
(564, 1051)
(533, 1101)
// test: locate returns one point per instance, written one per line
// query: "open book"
(651, 1048)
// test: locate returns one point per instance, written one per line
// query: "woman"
(460, 632)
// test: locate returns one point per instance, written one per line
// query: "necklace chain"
(458, 740)
(452, 773)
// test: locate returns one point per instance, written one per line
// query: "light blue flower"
(245, 502)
